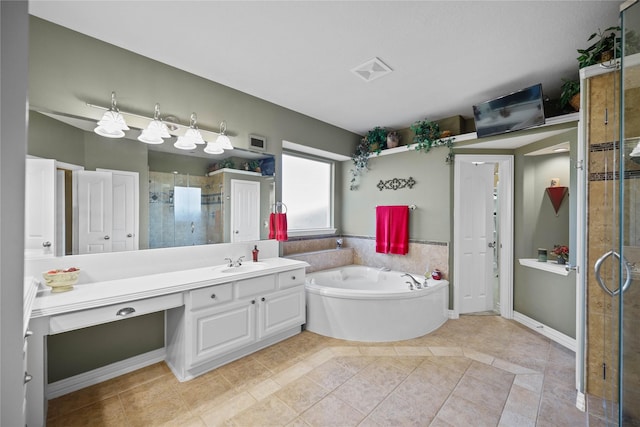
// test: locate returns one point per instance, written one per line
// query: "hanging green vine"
(374, 142)
(428, 135)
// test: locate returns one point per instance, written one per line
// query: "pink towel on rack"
(272, 225)
(392, 229)
(281, 227)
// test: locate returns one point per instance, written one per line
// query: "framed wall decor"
(257, 143)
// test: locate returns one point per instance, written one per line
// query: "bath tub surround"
(361, 303)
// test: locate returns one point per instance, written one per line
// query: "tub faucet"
(417, 284)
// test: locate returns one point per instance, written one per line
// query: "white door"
(40, 207)
(124, 229)
(245, 210)
(95, 211)
(476, 237)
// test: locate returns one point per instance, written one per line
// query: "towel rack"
(411, 207)
(279, 207)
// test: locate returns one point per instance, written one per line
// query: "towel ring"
(277, 207)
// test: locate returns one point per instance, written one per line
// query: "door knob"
(237, 231)
(129, 235)
(106, 237)
(46, 244)
(492, 245)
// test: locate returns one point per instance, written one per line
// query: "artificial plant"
(428, 135)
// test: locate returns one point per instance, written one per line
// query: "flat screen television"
(518, 110)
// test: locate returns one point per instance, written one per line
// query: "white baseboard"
(581, 402)
(548, 332)
(86, 379)
(453, 314)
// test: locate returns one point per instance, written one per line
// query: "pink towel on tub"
(392, 229)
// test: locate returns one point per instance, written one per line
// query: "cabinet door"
(281, 311)
(221, 330)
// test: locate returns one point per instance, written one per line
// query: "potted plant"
(377, 139)
(562, 253)
(606, 47)
(360, 159)
(427, 135)
(254, 165)
(570, 94)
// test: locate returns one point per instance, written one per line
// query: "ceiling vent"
(371, 70)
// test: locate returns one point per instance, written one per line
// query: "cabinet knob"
(106, 237)
(129, 235)
(46, 244)
(293, 277)
(253, 301)
(213, 296)
(263, 299)
(27, 378)
(125, 311)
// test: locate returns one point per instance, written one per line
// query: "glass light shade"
(155, 131)
(183, 143)
(224, 142)
(111, 125)
(109, 133)
(193, 134)
(213, 148)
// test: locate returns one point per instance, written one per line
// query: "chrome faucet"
(417, 284)
(232, 263)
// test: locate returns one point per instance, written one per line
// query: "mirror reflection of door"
(245, 210)
(40, 217)
(106, 211)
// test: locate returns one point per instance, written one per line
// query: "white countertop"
(98, 294)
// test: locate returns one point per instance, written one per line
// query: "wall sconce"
(112, 124)
(191, 137)
(156, 129)
(223, 139)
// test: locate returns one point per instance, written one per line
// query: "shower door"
(629, 222)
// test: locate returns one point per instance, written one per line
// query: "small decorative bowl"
(61, 280)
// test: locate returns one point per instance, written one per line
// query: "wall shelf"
(549, 266)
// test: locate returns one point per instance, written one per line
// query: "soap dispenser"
(255, 253)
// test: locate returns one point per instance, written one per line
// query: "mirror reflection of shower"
(184, 209)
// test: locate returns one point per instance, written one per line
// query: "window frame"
(300, 232)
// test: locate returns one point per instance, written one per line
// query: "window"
(307, 191)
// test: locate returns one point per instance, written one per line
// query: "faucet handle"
(230, 262)
(239, 261)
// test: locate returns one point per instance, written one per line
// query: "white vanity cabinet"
(221, 323)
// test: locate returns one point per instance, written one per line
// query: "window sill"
(549, 266)
(311, 232)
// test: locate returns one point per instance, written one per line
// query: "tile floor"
(473, 371)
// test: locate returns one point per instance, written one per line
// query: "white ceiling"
(446, 56)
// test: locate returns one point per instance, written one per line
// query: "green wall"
(431, 194)
(543, 296)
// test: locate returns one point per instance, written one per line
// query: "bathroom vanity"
(213, 314)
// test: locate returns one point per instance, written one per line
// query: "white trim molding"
(552, 334)
(95, 376)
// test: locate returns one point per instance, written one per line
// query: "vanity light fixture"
(223, 139)
(156, 129)
(112, 124)
(191, 137)
(213, 148)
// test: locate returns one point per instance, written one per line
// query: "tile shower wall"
(197, 228)
(321, 254)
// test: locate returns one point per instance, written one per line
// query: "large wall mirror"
(103, 194)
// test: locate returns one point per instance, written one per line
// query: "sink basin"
(244, 268)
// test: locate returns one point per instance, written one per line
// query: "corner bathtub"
(361, 303)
